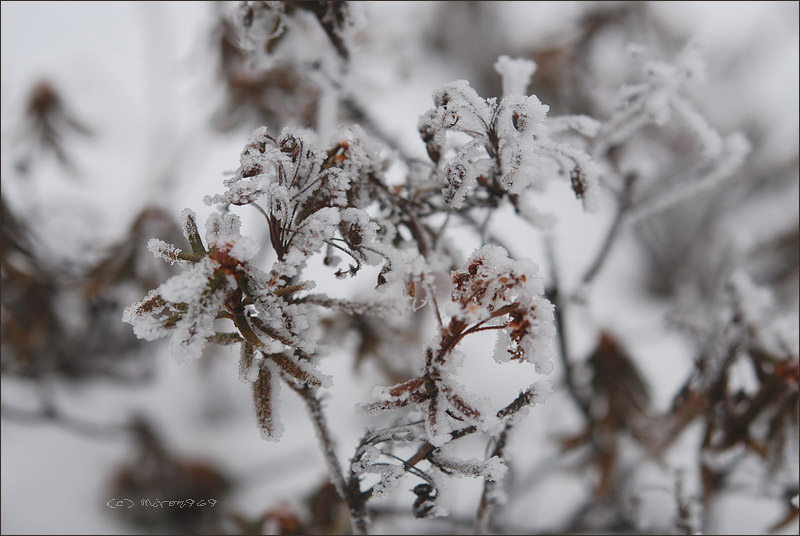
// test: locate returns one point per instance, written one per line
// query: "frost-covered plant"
(435, 245)
(331, 197)
(336, 199)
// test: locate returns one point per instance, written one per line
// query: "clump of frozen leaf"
(512, 145)
(367, 460)
(743, 327)
(316, 199)
(186, 305)
(312, 198)
(495, 285)
(367, 454)
(218, 281)
(493, 292)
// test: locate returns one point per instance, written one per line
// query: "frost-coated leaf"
(222, 233)
(387, 405)
(189, 227)
(144, 316)
(164, 251)
(366, 457)
(196, 325)
(436, 423)
(184, 308)
(390, 476)
(266, 401)
(493, 469)
(248, 365)
(300, 370)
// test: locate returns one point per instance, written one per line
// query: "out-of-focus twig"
(76, 425)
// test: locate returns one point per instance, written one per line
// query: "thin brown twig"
(488, 501)
(72, 424)
(625, 203)
(554, 294)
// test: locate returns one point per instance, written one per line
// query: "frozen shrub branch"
(330, 199)
(353, 224)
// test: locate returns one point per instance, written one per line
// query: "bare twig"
(625, 203)
(554, 295)
(489, 496)
(72, 424)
